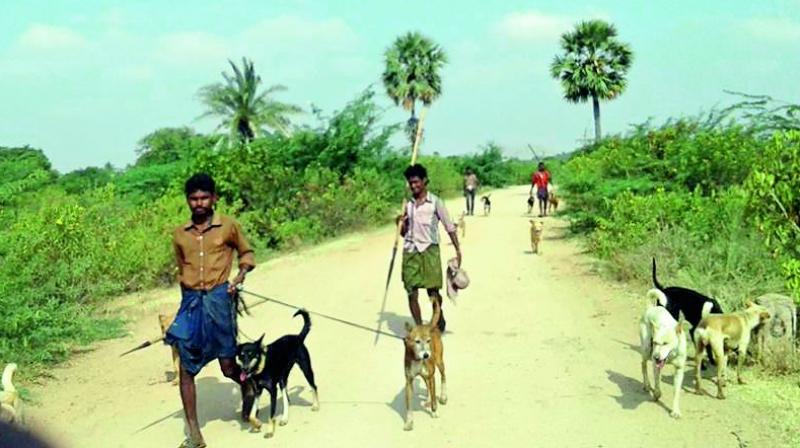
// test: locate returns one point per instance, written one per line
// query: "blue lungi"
(204, 328)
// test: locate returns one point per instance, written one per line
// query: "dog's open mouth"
(243, 376)
(660, 363)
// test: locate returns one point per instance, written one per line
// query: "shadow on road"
(632, 391)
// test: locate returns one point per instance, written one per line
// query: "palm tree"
(245, 111)
(594, 65)
(413, 63)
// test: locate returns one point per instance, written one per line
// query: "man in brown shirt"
(205, 326)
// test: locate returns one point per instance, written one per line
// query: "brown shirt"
(204, 258)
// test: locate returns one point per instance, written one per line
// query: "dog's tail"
(657, 295)
(8, 375)
(655, 280)
(306, 323)
(707, 307)
(437, 314)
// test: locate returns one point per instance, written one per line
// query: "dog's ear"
(409, 327)
(748, 303)
(764, 316)
(532, 221)
(260, 341)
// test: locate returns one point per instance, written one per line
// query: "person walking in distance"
(471, 184)
(540, 181)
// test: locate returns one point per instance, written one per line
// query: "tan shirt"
(422, 223)
(205, 258)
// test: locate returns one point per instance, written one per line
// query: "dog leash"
(265, 299)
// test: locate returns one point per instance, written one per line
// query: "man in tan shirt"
(205, 326)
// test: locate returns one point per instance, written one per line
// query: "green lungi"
(422, 270)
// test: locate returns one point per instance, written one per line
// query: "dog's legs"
(656, 382)
(10, 413)
(740, 361)
(285, 414)
(699, 352)
(273, 398)
(409, 425)
(443, 394)
(722, 362)
(304, 362)
(678, 380)
(430, 382)
(645, 379)
(255, 423)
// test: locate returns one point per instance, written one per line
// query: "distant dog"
(462, 224)
(531, 202)
(663, 340)
(724, 333)
(487, 204)
(536, 234)
(10, 403)
(553, 199)
(268, 368)
(424, 354)
(164, 321)
(686, 301)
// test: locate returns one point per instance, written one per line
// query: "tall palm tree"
(413, 63)
(245, 111)
(593, 65)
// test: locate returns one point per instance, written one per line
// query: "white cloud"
(531, 26)
(51, 38)
(775, 29)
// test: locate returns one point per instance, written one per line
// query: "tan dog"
(164, 321)
(726, 332)
(462, 224)
(10, 403)
(423, 356)
(553, 199)
(536, 235)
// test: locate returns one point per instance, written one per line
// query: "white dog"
(10, 403)
(663, 341)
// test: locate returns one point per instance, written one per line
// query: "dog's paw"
(443, 399)
(675, 414)
(315, 407)
(720, 395)
(268, 434)
(409, 425)
(283, 422)
(434, 414)
(255, 424)
(656, 395)
(741, 381)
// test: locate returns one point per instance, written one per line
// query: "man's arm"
(246, 255)
(449, 226)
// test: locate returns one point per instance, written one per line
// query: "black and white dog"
(268, 368)
(687, 301)
(487, 204)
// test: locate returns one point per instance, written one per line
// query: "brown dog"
(536, 234)
(726, 332)
(553, 199)
(164, 321)
(423, 356)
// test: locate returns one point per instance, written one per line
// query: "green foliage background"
(75, 240)
(715, 198)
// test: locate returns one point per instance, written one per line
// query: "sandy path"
(538, 353)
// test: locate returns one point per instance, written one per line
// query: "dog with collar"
(268, 368)
(423, 355)
(663, 340)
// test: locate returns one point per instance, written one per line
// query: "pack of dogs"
(674, 311)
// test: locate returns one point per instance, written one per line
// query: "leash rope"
(265, 299)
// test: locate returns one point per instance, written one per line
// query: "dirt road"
(539, 352)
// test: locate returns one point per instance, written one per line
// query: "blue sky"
(86, 80)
